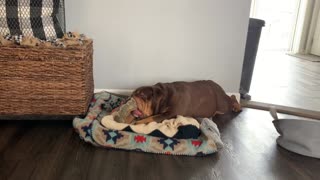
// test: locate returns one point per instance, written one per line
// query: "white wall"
(140, 42)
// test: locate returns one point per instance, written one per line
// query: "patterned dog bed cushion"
(92, 131)
(179, 128)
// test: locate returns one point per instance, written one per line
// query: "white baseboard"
(125, 92)
(128, 92)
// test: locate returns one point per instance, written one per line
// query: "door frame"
(294, 34)
(307, 17)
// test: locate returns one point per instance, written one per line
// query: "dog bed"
(179, 128)
(92, 131)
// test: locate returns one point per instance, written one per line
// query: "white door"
(315, 47)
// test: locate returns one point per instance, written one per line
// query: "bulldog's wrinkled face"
(144, 99)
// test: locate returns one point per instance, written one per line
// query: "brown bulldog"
(197, 99)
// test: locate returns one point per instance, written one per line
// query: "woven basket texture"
(46, 80)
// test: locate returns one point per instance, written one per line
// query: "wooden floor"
(51, 150)
(286, 80)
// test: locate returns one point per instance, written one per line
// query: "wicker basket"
(45, 80)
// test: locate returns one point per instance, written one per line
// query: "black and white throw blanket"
(36, 18)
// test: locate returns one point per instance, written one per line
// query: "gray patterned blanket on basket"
(92, 131)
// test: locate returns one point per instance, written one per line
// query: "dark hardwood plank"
(52, 150)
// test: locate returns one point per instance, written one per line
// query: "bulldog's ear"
(145, 93)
